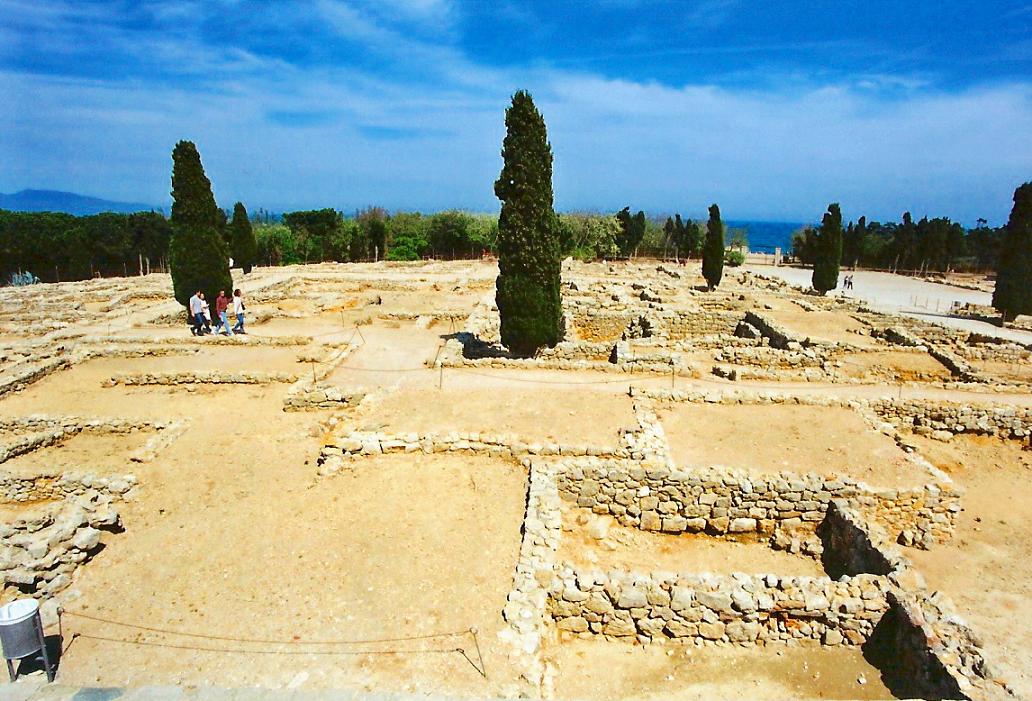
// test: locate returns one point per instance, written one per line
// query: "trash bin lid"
(17, 611)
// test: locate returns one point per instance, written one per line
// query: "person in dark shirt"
(221, 304)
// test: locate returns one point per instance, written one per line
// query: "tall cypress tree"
(242, 241)
(828, 250)
(197, 254)
(529, 264)
(713, 249)
(1013, 293)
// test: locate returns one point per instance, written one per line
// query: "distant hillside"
(69, 202)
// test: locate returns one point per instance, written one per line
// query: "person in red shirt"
(221, 304)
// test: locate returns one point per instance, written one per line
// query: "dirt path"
(886, 292)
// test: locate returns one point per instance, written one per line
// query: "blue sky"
(772, 109)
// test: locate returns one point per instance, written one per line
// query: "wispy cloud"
(335, 103)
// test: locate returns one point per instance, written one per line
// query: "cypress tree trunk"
(713, 249)
(244, 245)
(197, 253)
(527, 289)
(828, 251)
(1013, 293)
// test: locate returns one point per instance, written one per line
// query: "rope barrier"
(258, 641)
(293, 643)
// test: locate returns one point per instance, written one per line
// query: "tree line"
(926, 245)
(58, 247)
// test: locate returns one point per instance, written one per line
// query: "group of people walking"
(847, 283)
(200, 313)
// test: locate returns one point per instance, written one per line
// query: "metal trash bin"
(21, 634)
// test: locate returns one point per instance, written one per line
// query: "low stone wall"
(338, 449)
(34, 441)
(163, 439)
(577, 350)
(776, 335)
(527, 601)
(851, 546)
(1005, 421)
(311, 393)
(40, 552)
(928, 652)
(21, 379)
(320, 395)
(701, 322)
(601, 326)
(927, 416)
(721, 501)
(50, 485)
(187, 341)
(738, 609)
(211, 377)
(42, 431)
(773, 359)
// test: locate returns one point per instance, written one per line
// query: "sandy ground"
(664, 672)
(334, 583)
(1012, 372)
(624, 548)
(900, 366)
(89, 451)
(389, 355)
(994, 540)
(545, 415)
(832, 326)
(928, 301)
(253, 551)
(769, 438)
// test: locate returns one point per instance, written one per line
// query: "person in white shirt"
(238, 309)
(206, 313)
(197, 313)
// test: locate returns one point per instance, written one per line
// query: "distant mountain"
(69, 202)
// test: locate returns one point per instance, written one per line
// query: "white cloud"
(430, 137)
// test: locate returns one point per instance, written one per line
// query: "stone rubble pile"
(41, 550)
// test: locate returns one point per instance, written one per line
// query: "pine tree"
(197, 254)
(529, 264)
(1013, 293)
(242, 241)
(713, 249)
(828, 250)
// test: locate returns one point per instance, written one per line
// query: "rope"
(472, 631)
(249, 651)
(258, 641)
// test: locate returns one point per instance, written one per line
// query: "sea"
(765, 236)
